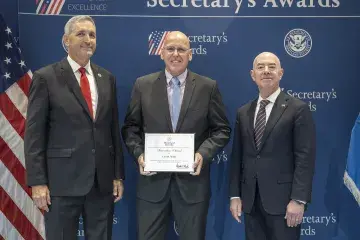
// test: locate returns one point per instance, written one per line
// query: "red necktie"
(85, 89)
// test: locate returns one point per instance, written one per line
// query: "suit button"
(93, 150)
(258, 156)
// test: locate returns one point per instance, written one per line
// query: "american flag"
(49, 7)
(19, 217)
(156, 41)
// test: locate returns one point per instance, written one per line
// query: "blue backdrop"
(226, 35)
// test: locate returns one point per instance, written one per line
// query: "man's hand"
(236, 208)
(294, 213)
(41, 196)
(197, 164)
(141, 162)
(118, 189)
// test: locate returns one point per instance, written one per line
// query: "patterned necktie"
(260, 123)
(85, 89)
(175, 102)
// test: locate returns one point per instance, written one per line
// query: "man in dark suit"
(73, 150)
(155, 108)
(273, 157)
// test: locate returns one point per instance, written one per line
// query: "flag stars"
(8, 45)
(7, 60)
(22, 63)
(8, 30)
(7, 75)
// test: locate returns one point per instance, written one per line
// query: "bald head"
(176, 53)
(267, 73)
(178, 37)
(266, 55)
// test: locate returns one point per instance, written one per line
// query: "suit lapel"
(278, 109)
(251, 116)
(69, 77)
(160, 93)
(99, 82)
(189, 89)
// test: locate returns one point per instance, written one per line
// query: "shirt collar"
(271, 98)
(181, 77)
(75, 66)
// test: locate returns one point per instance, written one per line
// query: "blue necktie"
(175, 101)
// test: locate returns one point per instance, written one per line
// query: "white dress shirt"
(272, 98)
(90, 76)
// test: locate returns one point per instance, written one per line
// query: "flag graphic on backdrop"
(352, 172)
(156, 41)
(49, 7)
(19, 217)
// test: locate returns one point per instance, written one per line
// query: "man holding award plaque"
(175, 124)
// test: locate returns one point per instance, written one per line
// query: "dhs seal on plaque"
(298, 43)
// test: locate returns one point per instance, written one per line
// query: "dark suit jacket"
(202, 112)
(64, 146)
(284, 165)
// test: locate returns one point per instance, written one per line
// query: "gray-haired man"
(72, 141)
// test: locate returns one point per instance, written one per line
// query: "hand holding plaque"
(141, 163)
(197, 164)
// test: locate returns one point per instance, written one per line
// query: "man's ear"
(252, 74)
(281, 73)
(66, 40)
(161, 54)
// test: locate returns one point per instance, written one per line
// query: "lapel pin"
(283, 105)
(99, 75)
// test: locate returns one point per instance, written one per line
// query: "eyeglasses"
(180, 50)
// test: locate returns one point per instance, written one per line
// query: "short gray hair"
(69, 26)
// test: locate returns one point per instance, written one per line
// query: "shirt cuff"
(299, 201)
(234, 198)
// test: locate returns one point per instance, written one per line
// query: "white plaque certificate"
(169, 152)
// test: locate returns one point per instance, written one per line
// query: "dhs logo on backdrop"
(156, 41)
(298, 43)
(49, 7)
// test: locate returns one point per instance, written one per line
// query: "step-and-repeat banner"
(317, 42)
